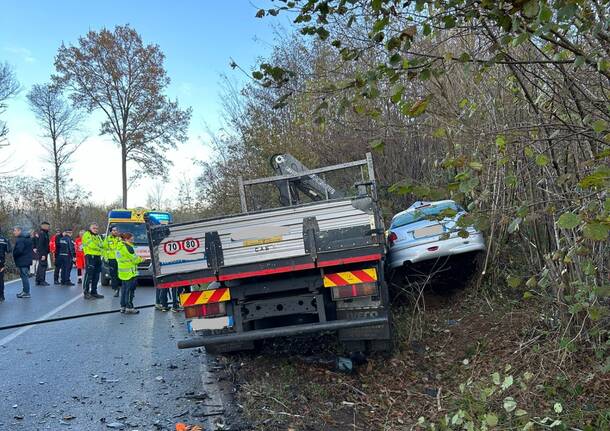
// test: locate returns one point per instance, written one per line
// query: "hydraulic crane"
(311, 185)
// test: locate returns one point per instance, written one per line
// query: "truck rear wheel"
(353, 346)
(380, 346)
(368, 346)
(220, 349)
(377, 345)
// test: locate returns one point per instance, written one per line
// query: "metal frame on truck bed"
(302, 268)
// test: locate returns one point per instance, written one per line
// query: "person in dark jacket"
(65, 256)
(42, 250)
(22, 255)
(5, 248)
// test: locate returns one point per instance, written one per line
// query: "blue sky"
(198, 38)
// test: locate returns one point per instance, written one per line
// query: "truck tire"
(368, 346)
(380, 346)
(220, 349)
(353, 346)
(383, 345)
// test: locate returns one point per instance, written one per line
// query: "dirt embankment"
(465, 359)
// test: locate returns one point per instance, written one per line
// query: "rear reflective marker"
(350, 277)
(205, 297)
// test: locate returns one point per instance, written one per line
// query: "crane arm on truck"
(311, 185)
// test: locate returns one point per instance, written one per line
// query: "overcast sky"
(198, 38)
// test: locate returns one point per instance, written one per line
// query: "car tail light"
(391, 238)
(206, 310)
(354, 290)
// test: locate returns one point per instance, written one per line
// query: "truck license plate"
(209, 323)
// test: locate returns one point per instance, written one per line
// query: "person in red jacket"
(53, 255)
(80, 256)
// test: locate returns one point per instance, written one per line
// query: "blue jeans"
(24, 273)
(128, 289)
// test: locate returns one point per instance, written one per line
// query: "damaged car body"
(428, 231)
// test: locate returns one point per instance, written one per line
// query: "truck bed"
(285, 239)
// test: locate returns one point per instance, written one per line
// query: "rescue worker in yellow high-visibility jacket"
(110, 246)
(92, 248)
(127, 263)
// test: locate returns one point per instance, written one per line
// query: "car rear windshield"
(423, 213)
(138, 230)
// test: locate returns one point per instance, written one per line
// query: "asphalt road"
(100, 372)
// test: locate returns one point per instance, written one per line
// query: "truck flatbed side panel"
(235, 272)
(186, 279)
(266, 268)
(325, 260)
(246, 239)
(344, 257)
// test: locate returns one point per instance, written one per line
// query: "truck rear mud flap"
(283, 331)
(371, 332)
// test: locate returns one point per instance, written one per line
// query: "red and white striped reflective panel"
(205, 297)
(368, 275)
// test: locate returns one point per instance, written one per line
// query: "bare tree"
(155, 199)
(9, 87)
(59, 120)
(113, 71)
(186, 200)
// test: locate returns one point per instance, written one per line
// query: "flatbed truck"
(312, 265)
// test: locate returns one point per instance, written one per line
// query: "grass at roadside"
(476, 364)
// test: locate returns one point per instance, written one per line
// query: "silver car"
(415, 235)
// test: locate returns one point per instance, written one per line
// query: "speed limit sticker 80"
(188, 245)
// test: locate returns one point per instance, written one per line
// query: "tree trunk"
(57, 199)
(124, 172)
(56, 164)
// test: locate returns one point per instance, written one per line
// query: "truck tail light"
(392, 237)
(206, 310)
(354, 291)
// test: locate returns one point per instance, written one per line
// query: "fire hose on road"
(75, 316)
